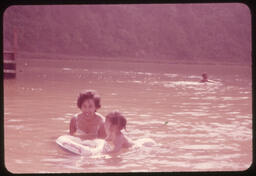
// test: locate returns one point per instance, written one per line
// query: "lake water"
(198, 126)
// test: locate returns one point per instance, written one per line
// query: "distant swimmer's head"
(115, 121)
(88, 101)
(205, 77)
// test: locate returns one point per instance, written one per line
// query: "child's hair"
(116, 118)
(88, 94)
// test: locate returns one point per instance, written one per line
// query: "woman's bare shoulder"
(100, 117)
(74, 117)
(77, 115)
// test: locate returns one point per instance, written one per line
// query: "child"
(115, 139)
(88, 124)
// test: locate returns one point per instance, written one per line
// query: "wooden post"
(9, 65)
(9, 58)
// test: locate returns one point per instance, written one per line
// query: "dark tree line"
(176, 32)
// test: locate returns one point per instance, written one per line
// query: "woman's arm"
(72, 126)
(101, 131)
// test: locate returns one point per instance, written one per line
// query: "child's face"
(88, 107)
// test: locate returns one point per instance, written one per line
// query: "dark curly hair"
(116, 118)
(88, 94)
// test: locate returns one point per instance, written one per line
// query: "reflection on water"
(198, 126)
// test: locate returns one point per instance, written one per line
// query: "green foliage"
(173, 32)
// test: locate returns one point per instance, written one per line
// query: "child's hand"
(107, 148)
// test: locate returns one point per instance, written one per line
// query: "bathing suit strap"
(81, 131)
(77, 129)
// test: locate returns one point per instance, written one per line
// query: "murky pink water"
(201, 127)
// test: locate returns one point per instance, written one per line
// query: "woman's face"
(88, 107)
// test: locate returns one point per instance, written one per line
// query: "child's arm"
(117, 145)
(72, 126)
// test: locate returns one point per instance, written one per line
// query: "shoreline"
(67, 57)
